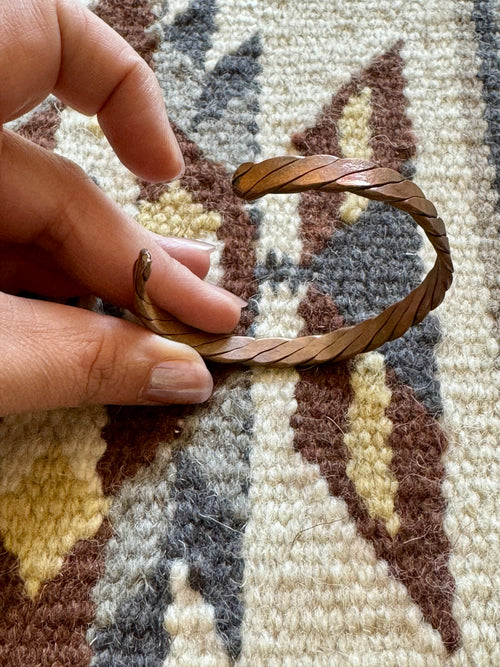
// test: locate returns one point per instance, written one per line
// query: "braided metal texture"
(329, 174)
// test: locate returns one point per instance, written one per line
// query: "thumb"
(60, 356)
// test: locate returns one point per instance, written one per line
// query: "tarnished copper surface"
(329, 174)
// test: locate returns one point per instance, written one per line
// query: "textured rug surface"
(340, 515)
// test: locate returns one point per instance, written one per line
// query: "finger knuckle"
(100, 366)
(70, 206)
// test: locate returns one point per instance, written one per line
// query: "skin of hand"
(61, 236)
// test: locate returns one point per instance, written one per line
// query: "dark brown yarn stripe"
(50, 631)
(392, 141)
(132, 435)
(321, 310)
(131, 18)
(42, 125)
(418, 555)
(209, 184)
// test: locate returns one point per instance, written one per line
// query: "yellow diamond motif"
(50, 493)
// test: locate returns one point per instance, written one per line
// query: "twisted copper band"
(328, 174)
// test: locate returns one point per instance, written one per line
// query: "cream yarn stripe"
(286, 493)
(190, 622)
(466, 357)
(293, 90)
(308, 572)
(80, 139)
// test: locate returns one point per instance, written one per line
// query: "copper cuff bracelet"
(328, 174)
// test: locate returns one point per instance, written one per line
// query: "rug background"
(345, 515)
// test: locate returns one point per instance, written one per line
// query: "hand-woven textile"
(339, 515)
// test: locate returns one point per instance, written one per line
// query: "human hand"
(61, 236)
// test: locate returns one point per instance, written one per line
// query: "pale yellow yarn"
(50, 493)
(354, 141)
(177, 214)
(369, 431)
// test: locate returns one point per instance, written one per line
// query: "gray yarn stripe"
(180, 60)
(191, 31)
(224, 125)
(216, 109)
(487, 30)
(195, 509)
(364, 268)
(129, 587)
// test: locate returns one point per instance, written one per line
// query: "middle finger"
(29, 268)
(50, 201)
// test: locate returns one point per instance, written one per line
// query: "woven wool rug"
(340, 515)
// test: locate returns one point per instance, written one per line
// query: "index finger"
(59, 46)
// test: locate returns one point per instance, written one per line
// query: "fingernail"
(178, 382)
(180, 158)
(182, 169)
(178, 174)
(241, 303)
(176, 149)
(186, 243)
